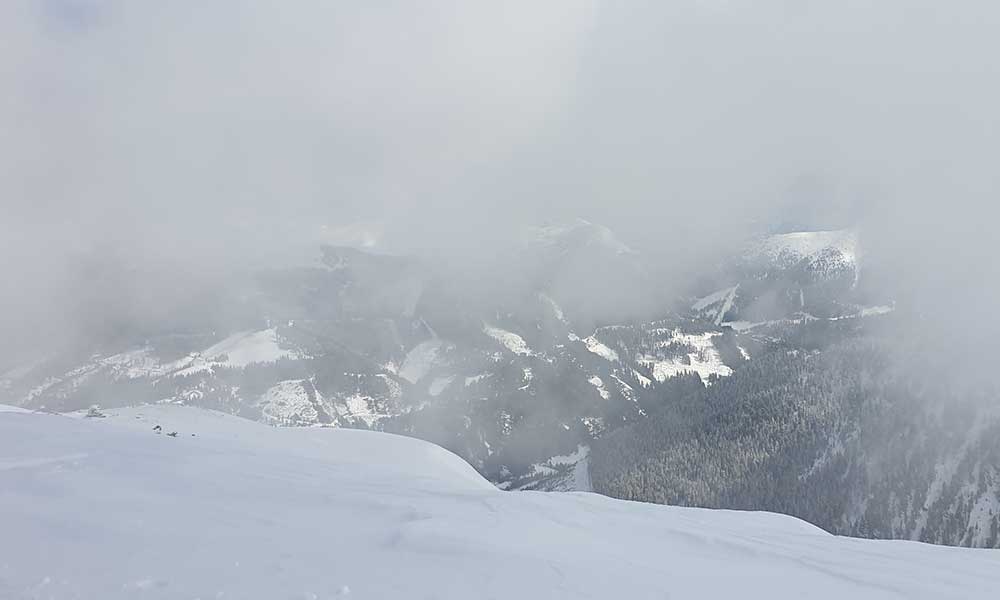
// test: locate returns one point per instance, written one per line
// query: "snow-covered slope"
(699, 356)
(420, 360)
(577, 233)
(510, 340)
(105, 508)
(817, 251)
(236, 351)
(716, 305)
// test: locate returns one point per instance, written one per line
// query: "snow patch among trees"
(700, 357)
(598, 383)
(508, 339)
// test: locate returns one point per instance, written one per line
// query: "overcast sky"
(190, 129)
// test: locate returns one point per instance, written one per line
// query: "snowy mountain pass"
(106, 508)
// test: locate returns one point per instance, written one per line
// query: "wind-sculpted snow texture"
(106, 508)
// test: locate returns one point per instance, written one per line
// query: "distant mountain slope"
(844, 437)
(106, 508)
(509, 370)
(532, 367)
(790, 275)
(820, 252)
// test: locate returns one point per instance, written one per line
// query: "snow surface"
(790, 248)
(872, 311)
(477, 378)
(627, 391)
(236, 351)
(509, 339)
(718, 303)
(527, 376)
(297, 403)
(105, 508)
(249, 348)
(643, 380)
(288, 403)
(554, 306)
(562, 473)
(864, 312)
(985, 508)
(598, 383)
(595, 346)
(439, 385)
(705, 359)
(126, 365)
(420, 360)
(741, 326)
(359, 406)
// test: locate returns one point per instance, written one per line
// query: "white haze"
(195, 136)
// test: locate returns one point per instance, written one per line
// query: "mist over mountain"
(719, 254)
(562, 363)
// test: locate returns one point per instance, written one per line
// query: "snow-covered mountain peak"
(823, 253)
(788, 249)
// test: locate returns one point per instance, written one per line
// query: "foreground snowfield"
(105, 508)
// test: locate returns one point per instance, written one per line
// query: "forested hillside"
(849, 437)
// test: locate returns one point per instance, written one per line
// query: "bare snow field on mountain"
(106, 508)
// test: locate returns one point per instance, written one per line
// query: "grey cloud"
(187, 133)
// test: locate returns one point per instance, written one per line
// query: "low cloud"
(198, 135)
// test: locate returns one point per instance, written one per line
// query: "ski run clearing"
(232, 509)
(717, 304)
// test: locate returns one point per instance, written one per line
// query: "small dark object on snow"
(192, 435)
(157, 429)
(172, 434)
